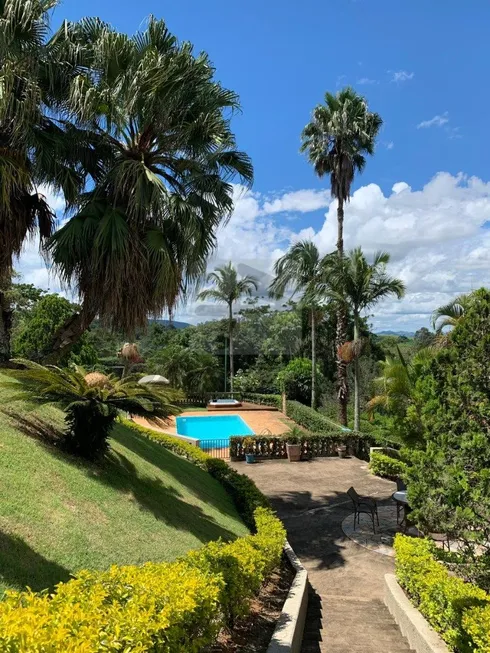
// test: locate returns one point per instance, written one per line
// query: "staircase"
(349, 625)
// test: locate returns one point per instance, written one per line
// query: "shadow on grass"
(196, 480)
(21, 566)
(149, 492)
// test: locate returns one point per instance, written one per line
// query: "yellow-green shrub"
(386, 466)
(455, 609)
(171, 607)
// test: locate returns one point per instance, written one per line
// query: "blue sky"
(421, 65)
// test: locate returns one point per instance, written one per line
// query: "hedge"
(263, 400)
(386, 466)
(458, 611)
(176, 607)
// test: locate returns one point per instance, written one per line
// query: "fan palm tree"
(37, 145)
(338, 138)
(300, 269)
(228, 290)
(141, 238)
(92, 401)
(358, 285)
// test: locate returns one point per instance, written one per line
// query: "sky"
(424, 196)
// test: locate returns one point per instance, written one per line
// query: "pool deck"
(258, 420)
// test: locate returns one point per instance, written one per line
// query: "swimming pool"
(214, 427)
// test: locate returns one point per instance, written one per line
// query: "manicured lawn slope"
(58, 515)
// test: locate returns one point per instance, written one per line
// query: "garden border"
(288, 633)
(412, 624)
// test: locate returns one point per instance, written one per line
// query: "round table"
(400, 498)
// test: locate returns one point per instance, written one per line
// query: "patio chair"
(365, 505)
(401, 486)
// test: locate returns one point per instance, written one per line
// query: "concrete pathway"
(346, 610)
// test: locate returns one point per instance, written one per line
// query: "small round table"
(400, 498)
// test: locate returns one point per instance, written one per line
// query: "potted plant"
(293, 444)
(342, 450)
(248, 448)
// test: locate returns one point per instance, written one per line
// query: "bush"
(458, 611)
(386, 466)
(310, 419)
(264, 400)
(174, 607)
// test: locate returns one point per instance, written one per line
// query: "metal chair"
(365, 505)
(401, 486)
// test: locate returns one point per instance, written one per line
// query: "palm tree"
(141, 238)
(92, 401)
(450, 314)
(228, 290)
(300, 269)
(338, 138)
(358, 285)
(37, 145)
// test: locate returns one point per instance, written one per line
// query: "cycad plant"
(338, 138)
(228, 289)
(91, 402)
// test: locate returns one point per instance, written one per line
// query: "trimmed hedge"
(458, 611)
(310, 419)
(386, 466)
(176, 607)
(263, 400)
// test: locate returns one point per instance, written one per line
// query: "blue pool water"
(214, 427)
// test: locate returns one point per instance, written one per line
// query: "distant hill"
(407, 334)
(174, 323)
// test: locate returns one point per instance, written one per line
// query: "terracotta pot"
(294, 452)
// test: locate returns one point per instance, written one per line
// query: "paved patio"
(346, 610)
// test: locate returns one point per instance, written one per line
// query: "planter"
(294, 452)
(250, 458)
(342, 450)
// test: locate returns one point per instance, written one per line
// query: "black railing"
(216, 448)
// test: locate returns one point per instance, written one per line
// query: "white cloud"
(55, 200)
(436, 121)
(401, 76)
(389, 145)
(367, 80)
(436, 236)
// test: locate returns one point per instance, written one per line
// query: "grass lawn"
(59, 515)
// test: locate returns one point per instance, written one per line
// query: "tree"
(37, 144)
(191, 370)
(300, 269)
(296, 379)
(142, 236)
(447, 317)
(358, 285)
(338, 138)
(92, 401)
(39, 326)
(449, 480)
(424, 338)
(228, 290)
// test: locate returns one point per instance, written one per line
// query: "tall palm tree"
(300, 269)
(37, 145)
(141, 237)
(450, 314)
(228, 288)
(338, 138)
(358, 285)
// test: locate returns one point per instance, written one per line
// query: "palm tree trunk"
(68, 335)
(5, 329)
(357, 405)
(230, 325)
(313, 360)
(341, 331)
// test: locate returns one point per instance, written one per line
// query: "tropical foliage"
(338, 138)
(296, 380)
(192, 370)
(449, 481)
(228, 289)
(92, 402)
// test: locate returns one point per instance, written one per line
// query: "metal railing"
(216, 448)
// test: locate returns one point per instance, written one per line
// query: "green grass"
(59, 515)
